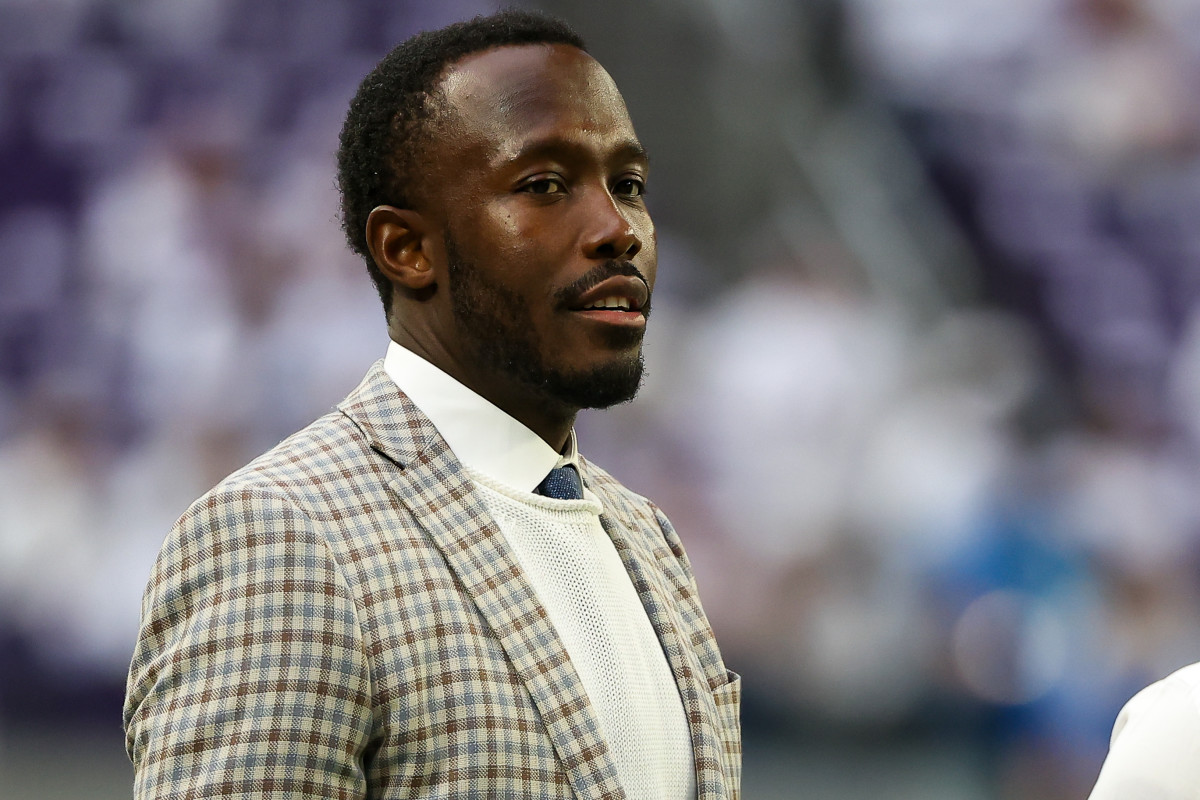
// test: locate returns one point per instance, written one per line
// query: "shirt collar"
(483, 437)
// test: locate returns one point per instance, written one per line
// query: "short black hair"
(388, 123)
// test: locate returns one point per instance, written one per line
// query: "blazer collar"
(392, 424)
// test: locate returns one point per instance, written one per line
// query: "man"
(1152, 755)
(429, 592)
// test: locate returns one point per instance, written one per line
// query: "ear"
(398, 239)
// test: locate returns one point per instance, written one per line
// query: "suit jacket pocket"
(728, 699)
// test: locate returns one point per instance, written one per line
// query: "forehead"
(504, 98)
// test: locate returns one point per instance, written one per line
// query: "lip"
(635, 290)
(613, 318)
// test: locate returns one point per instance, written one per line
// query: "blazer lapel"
(433, 486)
(640, 557)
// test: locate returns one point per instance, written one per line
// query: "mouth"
(619, 299)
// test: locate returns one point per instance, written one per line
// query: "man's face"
(549, 250)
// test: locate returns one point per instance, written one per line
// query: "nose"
(610, 233)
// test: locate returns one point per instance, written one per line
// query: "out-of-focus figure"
(1154, 743)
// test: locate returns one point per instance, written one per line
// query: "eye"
(630, 187)
(544, 186)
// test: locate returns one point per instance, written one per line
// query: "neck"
(551, 420)
(552, 431)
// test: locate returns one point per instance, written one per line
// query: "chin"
(608, 384)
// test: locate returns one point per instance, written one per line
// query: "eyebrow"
(626, 150)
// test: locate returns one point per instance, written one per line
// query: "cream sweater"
(581, 581)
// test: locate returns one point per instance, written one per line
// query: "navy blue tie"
(562, 483)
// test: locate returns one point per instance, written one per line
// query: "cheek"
(648, 262)
(509, 252)
(508, 237)
(503, 223)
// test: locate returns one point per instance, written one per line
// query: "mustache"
(566, 296)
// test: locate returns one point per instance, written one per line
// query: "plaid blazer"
(342, 619)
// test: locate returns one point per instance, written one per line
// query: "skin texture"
(531, 208)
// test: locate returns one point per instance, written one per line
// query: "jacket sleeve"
(249, 678)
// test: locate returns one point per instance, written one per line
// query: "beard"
(498, 328)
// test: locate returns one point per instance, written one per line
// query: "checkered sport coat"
(342, 619)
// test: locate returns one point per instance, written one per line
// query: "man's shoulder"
(1177, 694)
(1187, 678)
(339, 453)
(330, 448)
(1154, 741)
(314, 467)
(612, 492)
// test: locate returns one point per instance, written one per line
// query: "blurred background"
(924, 374)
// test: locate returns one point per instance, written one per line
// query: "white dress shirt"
(483, 437)
(1154, 753)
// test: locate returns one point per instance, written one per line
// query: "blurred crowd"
(981, 522)
(175, 293)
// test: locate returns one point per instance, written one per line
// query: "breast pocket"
(728, 699)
